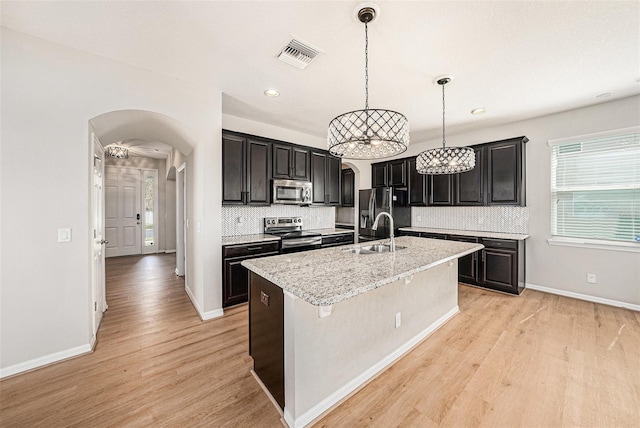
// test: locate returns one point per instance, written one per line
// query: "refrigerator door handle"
(372, 204)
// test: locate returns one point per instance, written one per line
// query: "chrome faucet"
(392, 242)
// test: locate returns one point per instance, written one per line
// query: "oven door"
(300, 244)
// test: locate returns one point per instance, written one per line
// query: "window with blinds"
(595, 186)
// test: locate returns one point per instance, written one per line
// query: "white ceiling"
(519, 59)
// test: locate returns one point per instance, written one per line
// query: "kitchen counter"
(323, 323)
(477, 233)
(331, 275)
(248, 239)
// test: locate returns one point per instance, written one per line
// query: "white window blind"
(595, 186)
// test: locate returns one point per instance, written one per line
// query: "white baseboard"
(586, 297)
(204, 316)
(45, 361)
(356, 383)
(169, 251)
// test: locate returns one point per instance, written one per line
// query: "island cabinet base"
(327, 358)
(266, 335)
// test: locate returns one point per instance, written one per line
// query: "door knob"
(104, 241)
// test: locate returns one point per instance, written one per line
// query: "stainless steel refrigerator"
(374, 201)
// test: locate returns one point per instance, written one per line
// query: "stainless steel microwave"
(291, 192)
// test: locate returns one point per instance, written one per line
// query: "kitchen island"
(322, 323)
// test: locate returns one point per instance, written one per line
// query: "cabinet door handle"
(484, 256)
(259, 247)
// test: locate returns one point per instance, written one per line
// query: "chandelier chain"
(366, 66)
(443, 138)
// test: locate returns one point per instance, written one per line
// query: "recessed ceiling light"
(479, 110)
(272, 93)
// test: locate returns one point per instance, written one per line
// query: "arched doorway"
(118, 127)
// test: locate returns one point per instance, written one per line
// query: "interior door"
(122, 211)
(99, 305)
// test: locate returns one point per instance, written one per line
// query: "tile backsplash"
(486, 219)
(247, 220)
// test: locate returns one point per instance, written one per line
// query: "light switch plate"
(64, 235)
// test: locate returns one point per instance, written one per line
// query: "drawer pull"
(259, 247)
(264, 298)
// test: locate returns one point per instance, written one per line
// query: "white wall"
(564, 268)
(49, 94)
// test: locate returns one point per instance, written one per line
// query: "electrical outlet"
(398, 319)
(591, 278)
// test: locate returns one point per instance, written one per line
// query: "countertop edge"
(476, 233)
(352, 293)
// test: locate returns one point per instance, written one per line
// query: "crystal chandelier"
(118, 152)
(445, 160)
(368, 133)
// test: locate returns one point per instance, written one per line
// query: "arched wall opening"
(146, 126)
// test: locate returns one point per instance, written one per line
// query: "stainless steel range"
(293, 238)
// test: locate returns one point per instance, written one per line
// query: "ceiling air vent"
(298, 54)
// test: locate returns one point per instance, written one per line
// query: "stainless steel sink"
(373, 249)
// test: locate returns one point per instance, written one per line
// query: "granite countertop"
(331, 231)
(331, 275)
(248, 239)
(478, 233)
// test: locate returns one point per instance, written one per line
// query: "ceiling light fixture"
(118, 152)
(368, 133)
(445, 160)
(271, 93)
(478, 110)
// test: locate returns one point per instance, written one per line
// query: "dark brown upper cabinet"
(246, 170)
(441, 187)
(389, 174)
(417, 185)
(468, 188)
(348, 187)
(326, 178)
(291, 162)
(397, 173)
(506, 163)
(379, 175)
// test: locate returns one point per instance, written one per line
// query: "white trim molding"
(588, 298)
(170, 251)
(597, 244)
(360, 381)
(46, 360)
(204, 316)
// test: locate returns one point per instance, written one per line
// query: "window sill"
(630, 247)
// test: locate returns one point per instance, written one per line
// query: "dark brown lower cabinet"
(467, 265)
(235, 277)
(502, 265)
(266, 334)
(499, 266)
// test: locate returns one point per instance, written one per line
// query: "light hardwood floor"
(504, 361)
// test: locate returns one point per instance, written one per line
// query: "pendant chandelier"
(118, 152)
(445, 160)
(368, 133)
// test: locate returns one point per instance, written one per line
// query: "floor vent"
(298, 54)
